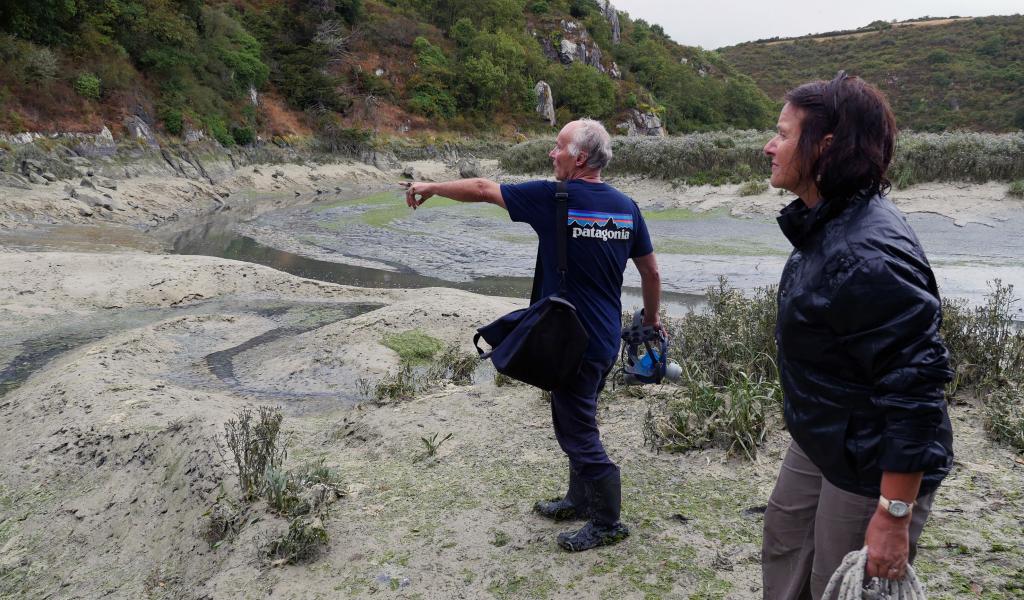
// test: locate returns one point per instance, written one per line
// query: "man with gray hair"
(605, 230)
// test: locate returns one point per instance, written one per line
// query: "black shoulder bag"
(541, 345)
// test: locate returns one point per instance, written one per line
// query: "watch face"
(898, 508)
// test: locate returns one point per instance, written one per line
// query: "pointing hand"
(416, 193)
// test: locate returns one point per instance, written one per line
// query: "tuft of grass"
(753, 187)
(252, 438)
(1016, 189)
(414, 346)
(450, 365)
(400, 385)
(453, 365)
(304, 540)
(432, 444)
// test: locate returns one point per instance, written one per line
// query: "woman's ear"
(825, 142)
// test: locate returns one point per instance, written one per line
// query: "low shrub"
(985, 346)
(87, 85)
(736, 156)
(1016, 189)
(729, 392)
(253, 440)
(450, 365)
(301, 491)
(753, 187)
(220, 132)
(736, 416)
(174, 121)
(40, 66)
(1003, 411)
(305, 538)
(243, 136)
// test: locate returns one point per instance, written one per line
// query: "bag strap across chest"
(561, 243)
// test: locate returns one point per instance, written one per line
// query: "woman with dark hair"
(862, 366)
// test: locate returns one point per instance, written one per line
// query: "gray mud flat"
(477, 248)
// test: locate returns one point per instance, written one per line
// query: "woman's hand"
(888, 542)
(416, 193)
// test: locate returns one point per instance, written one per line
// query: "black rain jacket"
(862, 366)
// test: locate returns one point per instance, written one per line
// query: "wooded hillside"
(235, 69)
(939, 74)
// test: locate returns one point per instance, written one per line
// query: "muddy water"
(377, 241)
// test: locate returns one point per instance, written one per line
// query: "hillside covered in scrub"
(241, 68)
(940, 74)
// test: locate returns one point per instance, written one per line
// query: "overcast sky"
(713, 24)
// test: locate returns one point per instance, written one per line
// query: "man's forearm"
(650, 287)
(465, 190)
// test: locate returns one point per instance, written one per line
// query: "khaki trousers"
(810, 525)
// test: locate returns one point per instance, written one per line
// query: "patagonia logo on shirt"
(600, 225)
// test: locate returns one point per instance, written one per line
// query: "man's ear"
(581, 159)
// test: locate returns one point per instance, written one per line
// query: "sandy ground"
(113, 452)
(113, 457)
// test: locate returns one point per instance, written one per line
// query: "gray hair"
(591, 137)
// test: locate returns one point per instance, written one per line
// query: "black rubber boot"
(572, 506)
(604, 498)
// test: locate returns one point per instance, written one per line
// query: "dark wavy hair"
(863, 130)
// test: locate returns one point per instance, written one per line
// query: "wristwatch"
(896, 508)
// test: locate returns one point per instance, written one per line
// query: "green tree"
(430, 93)
(586, 91)
(482, 83)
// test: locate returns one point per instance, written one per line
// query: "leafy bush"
(482, 83)
(243, 136)
(219, 131)
(173, 120)
(39, 65)
(753, 187)
(1003, 412)
(539, 7)
(986, 348)
(87, 85)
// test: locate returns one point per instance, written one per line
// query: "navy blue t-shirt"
(605, 230)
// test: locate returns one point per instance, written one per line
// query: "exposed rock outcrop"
(612, 15)
(642, 123)
(545, 102)
(138, 129)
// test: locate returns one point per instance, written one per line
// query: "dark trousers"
(574, 413)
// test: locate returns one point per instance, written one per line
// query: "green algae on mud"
(690, 247)
(683, 214)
